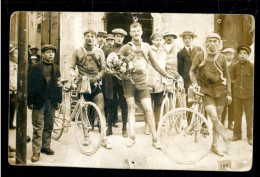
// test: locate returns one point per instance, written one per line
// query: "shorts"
(94, 92)
(130, 90)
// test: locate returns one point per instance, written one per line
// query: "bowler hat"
(102, 33)
(154, 35)
(48, 47)
(231, 50)
(33, 47)
(188, 33)
(244, 47)
(110, 36)
(11, 48)
(119, 31)
(169, 34)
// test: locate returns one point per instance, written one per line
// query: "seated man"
(142, 54)
(90, 62)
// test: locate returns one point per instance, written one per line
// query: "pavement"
(141, 156)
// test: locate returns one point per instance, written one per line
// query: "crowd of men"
(225, 77)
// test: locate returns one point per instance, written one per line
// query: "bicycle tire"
(182, 147)
(58, 123)
(85, 124)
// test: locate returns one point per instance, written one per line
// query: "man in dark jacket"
(43, 97)
(185, 57)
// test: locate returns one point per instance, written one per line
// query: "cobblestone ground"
(141, 156)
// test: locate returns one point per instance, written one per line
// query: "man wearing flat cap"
(44, 97)
(110, 40)
(242, 73)
(114, 90)
(229, 109)
(101, 39)
(186, 55)
(214, 81)
(33, 57)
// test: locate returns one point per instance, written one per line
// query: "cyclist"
(214, 80)
(90, 62)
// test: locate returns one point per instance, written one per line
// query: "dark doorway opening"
(124, 20)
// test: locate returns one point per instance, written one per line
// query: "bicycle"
(185, 142)
(87, 116)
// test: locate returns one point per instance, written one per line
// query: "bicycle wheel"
(87, 128)
(192, 144)
(58, 123)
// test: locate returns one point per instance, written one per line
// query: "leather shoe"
(236, 138)
(109, 132)
(47, 151)
(115, 125)
(125, 134)
(215, 150)
(250, 141)
(35, 157)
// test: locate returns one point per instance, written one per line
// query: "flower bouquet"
(120, 66)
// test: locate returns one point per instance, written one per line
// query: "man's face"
(48, 55)
(110, 42)
(169, 39)
(101, 40)
(119, 38)
(157, 41)
(136, 32)
(229, 56)
(14, 56)
(243, 55)
(34, 51)
(89, 39)
(187, 40)
(212, 44)
(33, 61)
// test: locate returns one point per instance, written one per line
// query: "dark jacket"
(37, 86)
(184, 64)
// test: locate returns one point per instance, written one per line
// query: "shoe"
(125, 134)
(12, 127)
(230, 126)
(147, 130)
(250, 141)
(109, 132)
(215, 150)
(115, 125)
(130, 142)
(35, 157)
(157, 145)
(106, 144)
(11, 149)
(28, 139)
(236, 138)
(47, 151)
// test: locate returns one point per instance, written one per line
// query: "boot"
(35, 157)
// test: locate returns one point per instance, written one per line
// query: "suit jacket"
(37, 86)
(184, 64)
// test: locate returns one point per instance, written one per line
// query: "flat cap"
(154, 35)
(110, 36)
(188, 33)
(33, 47)
(11, 48)
(169, 34)
(244, 47)
(119, 31)
(214, 35)
(48, 47)
(231, 50)
(102, 33)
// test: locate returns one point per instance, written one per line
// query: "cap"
(102, 33)
(214, 35)
(154, 35)
(169, 34)
(110, 36)
(48, 47)
(231, 50)
(11, 48)
(244, 47)
(119, 31)
(33, 47)
(188, 33)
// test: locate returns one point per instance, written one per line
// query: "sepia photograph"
(131, 90)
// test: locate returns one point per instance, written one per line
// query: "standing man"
(101, 39)
(33, 56)
(110, 40)
(185, 57)
(114, 89)
(214, 81)
(229, 109)
(90, 62)
(142, 55)
(44, 97)
(242, 72)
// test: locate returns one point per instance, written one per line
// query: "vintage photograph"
(131, 90)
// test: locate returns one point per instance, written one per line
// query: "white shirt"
(188, 48)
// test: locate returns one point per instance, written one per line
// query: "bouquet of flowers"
(120, 66)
